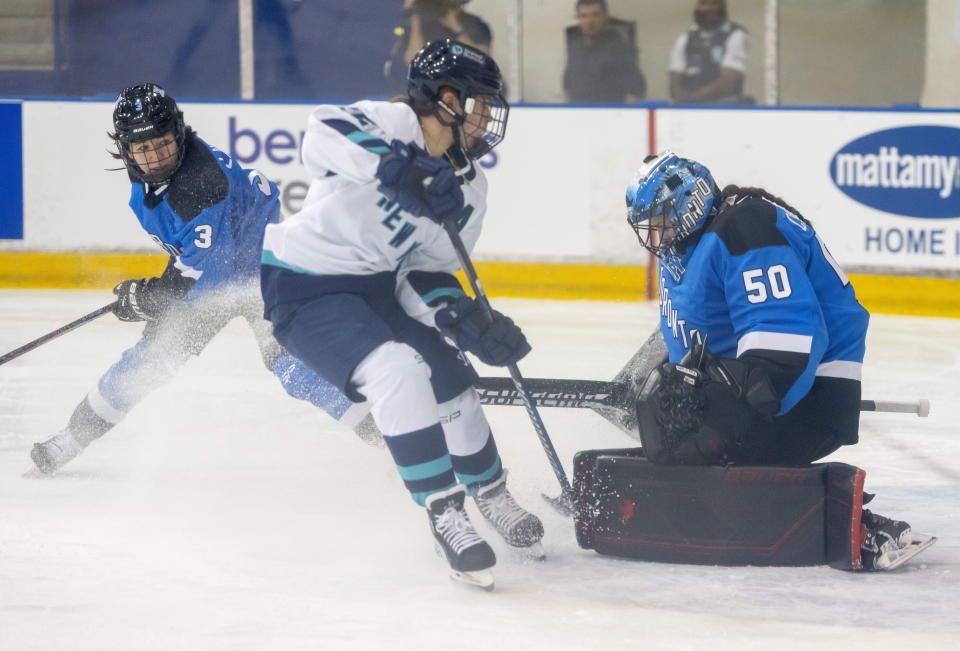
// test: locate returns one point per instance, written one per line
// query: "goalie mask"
(476, 80)
(668, 203)
(149, 133)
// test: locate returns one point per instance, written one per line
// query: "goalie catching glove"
(421, 184)
(694, 412)
(497, 342)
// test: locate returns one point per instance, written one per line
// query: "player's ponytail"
(735, 193)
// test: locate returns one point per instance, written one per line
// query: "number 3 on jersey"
(204, 236)
(755, 281)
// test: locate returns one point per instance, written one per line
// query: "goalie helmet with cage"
(148, 126)
(476, 79)
(668, 203)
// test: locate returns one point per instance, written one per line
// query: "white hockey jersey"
(346, 226)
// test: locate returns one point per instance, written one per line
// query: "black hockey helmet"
(475, 77)
(143, 112)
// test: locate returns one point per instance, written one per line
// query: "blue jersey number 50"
(777, 279)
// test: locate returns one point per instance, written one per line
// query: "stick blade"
(563, 504)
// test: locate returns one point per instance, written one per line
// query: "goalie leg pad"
(738, 515)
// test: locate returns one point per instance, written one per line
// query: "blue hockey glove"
(139, 300)
(499, 342)
(421, 184)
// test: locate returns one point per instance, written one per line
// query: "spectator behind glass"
(602, 58)
(708, 61)
(431, 20)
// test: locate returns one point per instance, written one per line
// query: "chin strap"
(458, 121)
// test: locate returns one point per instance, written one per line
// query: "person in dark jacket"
(601, 58)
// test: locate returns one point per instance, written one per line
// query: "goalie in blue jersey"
(764, 333)
(209, 215)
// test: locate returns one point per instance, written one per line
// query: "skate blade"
(482, 579)
(36, 473)
(895, 559)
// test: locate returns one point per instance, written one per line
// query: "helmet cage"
(476, 80)
(483, 124)
(143, 113)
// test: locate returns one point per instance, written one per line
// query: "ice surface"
(223, 514)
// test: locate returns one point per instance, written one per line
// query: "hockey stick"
(564, 502)
(919, 407)
(613, 398)
(36, 343)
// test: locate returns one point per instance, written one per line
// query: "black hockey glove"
(139, 300)
(747, 383)
(695, 411)
(499, 342)
(421, 184)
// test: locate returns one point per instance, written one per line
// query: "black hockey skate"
(889, 543)
(469, 555)
(55, 452)
(519, 527)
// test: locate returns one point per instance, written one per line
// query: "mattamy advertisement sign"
(556, 183)
(882, 187)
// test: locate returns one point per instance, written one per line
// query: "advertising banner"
(11, 171)
(882, 187)
(556, 182)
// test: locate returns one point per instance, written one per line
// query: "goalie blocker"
(738, 515)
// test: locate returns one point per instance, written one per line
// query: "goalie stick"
(615, 400)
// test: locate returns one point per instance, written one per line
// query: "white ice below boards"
(222, 514)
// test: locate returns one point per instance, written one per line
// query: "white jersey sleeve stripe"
(187, 271)
(841, 369)
(774, 341)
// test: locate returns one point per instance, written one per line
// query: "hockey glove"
(701, 410)
(421, 184)
(499, 342)
(747, 383)
(139, 300)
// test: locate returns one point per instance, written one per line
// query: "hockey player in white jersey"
(359, 285)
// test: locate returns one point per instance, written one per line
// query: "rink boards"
(881, 186)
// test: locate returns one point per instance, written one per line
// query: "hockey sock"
(422, 471)
(86, 425)
(472, 447)
(478, 469)
(396, 382)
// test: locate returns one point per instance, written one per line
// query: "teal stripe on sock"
(426, 470)
(472, 482)
(421, 498)
(452, 292)
(270, 258)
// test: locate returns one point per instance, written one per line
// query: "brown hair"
(760, 193)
